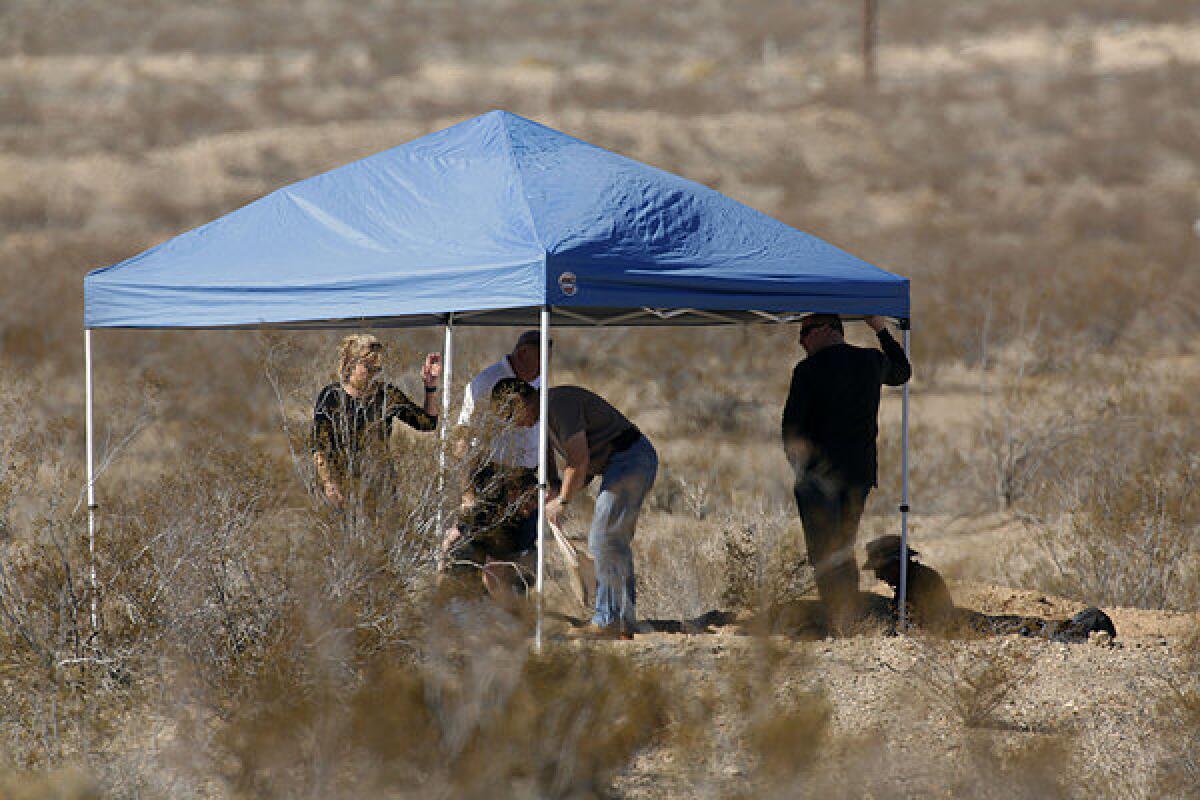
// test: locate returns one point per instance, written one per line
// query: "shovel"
(580, 569)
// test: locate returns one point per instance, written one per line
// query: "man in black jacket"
(830, 424)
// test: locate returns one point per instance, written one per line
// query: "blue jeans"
(625, 482)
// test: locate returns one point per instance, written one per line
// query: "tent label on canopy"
(567, 284)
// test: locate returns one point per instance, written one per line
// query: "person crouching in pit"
(927, 598)
(593, 439)
(496, 535)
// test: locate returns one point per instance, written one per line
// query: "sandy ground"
(1097, 700)
(1097, 696)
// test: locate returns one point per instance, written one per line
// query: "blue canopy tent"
(497, 220)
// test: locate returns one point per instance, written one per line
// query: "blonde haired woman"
(353, 417)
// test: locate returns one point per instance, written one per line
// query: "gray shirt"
(573, 409)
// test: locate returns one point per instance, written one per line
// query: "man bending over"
(595, 439)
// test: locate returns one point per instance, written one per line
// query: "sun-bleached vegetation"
(1031, 166)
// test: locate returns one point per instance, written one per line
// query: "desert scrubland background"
(1033, 167)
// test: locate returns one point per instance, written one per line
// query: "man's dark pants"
(830, 511)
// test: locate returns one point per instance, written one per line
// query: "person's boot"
(614, 632)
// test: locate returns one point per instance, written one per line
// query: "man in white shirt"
(514, 447)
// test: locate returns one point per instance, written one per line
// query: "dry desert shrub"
(985, 764)
(680, 566)
(61, 694)
(32, 341)
(62, 784)
(970, 679)
(765, 569)
(942, 472)
(479, 717)
(193, 568)
(1120, 527)
(922, 21)
(704, 478)
(1049, 202)
(1028, 767)
(206, 572)
(1179, 723)
(1131, 543)
(1024, 426)
(675, 491)
(771, 727)
(167, 113)
(51, 668)
(292, 642)
(783, 723)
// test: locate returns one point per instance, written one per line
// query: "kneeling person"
(596, 439)
(496, 534)
(928, 599)
(931, 606)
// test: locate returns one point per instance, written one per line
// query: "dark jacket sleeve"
(401, 408)
(795, 412)
(896, 369)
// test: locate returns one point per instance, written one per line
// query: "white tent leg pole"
(91, 471)
(447, 378)
(904, 508)
(543, 409)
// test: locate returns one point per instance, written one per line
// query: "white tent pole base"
(902, 597)
(91, 474)
(447, 377)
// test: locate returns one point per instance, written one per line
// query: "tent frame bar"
(466, 314)
(617, 320)
(699, 313)
(672, 313)
(577, 316)
(781, 319)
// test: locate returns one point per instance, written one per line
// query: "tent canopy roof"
(491, 219)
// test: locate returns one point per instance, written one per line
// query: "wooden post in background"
(870, 33)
